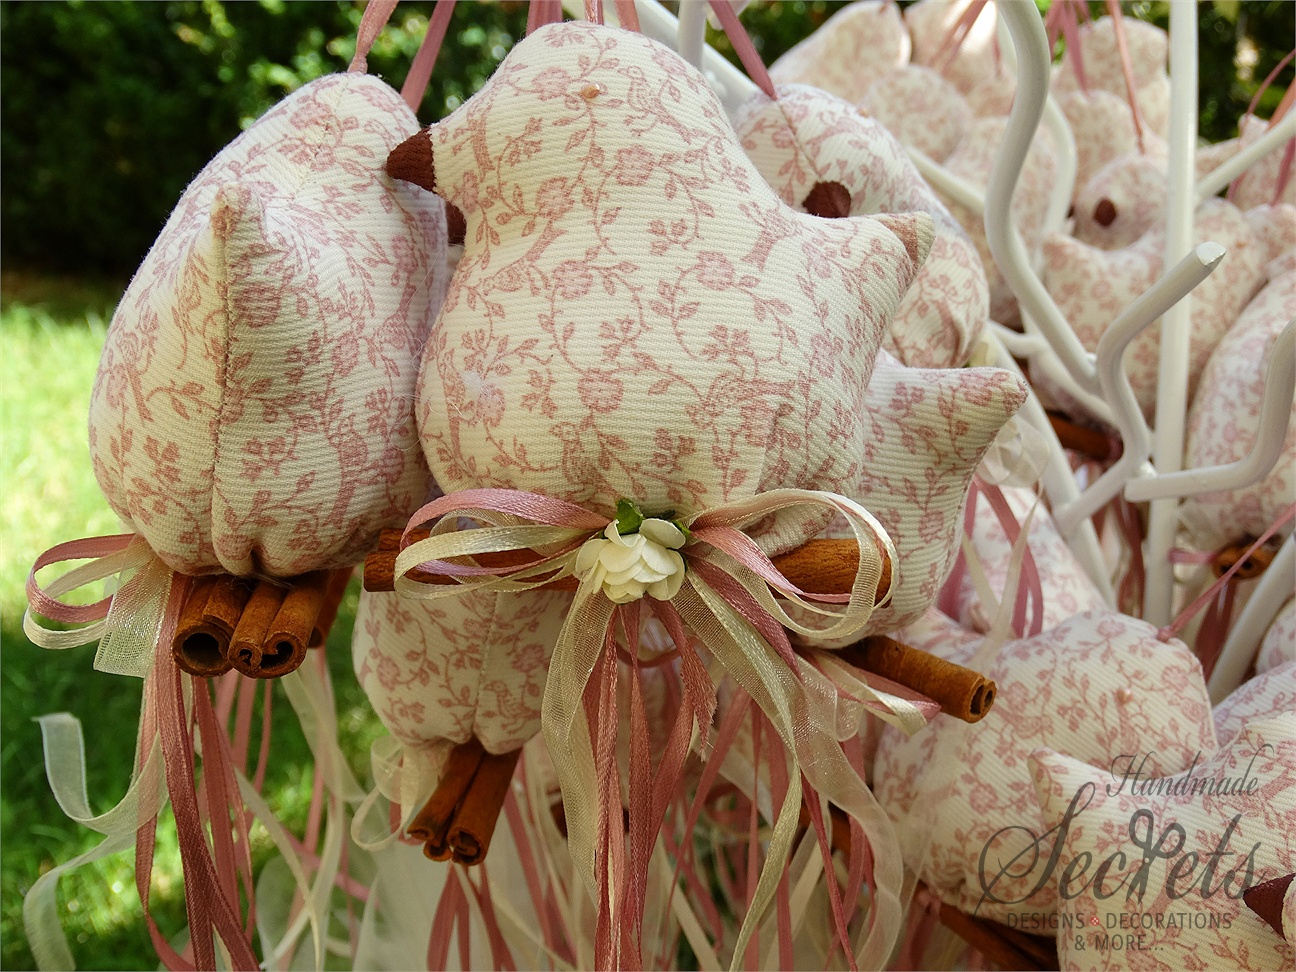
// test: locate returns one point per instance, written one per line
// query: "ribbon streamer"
(728, 601)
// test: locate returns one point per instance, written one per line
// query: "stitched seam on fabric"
(223, 386)
(289, 201)
(338, 89)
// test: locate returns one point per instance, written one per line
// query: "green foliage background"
(109, 109)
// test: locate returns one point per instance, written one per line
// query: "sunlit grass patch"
(51, 339)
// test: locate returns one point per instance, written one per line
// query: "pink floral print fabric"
(1067, 589)
(1224, 419)
(1269, 694)
(1121, 202)
(808, 137)
(929, 430)
(1258, 185)
(850, 50)
(1096, 686)
(1279, 644)
(920, 108)
(929, 23)
(1103, 128)
(972, 161)
(1147, 46)
(1212, 928)
(253, 407)
(637, 313)
(469, 665)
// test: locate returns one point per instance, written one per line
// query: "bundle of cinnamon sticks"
(260, 628)
(458, 820)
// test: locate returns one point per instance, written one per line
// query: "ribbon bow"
(126, 624)
(726, 598)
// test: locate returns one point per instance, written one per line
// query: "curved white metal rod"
(1136, 437)
(1273, 590)
(1175, 349)
(1060, 133)
(1047, 364)
(1064, 149)
(958, 189)
(1006, 246)
(1278, 136)
(690, 32)
(1275, 415)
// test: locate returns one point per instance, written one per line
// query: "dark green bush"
(108, 109)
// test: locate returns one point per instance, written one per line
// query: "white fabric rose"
(630, 565)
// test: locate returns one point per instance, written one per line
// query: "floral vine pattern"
(1095, 687)
(637, 314)
(253, 410)
(457, 667)
(807, 136)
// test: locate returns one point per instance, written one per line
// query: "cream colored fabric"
(1097, 686)
(807, 137)
(636, 313)
(253, 408)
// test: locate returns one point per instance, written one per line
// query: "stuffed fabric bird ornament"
(852, 49)
(1183, 846)
(251, 412)
(1279, 643)
(640, 328)
(1092, 286)
(1095, 687)
(637, 314)
(1100, 54)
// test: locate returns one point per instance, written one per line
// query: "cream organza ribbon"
(728, 600)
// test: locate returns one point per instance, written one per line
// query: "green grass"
(51, 333)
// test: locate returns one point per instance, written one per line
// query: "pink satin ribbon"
(1284, 171)
(215, 871)
(958, 33)
(1220, 622)
(743, 46)
(88, 548)
(420, 72)
(1127, 68)
(1029, 587)
(622, 877)
(210, 880)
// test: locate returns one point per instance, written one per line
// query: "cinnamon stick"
(1090, 443)
(289, 634)
(337, 585)
(225, 605)
(817, 567)
(432, 824)
(961, 692)
(197, 645)
(828, 567)
(474, 822)
(246, 645)
(1252, 567)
